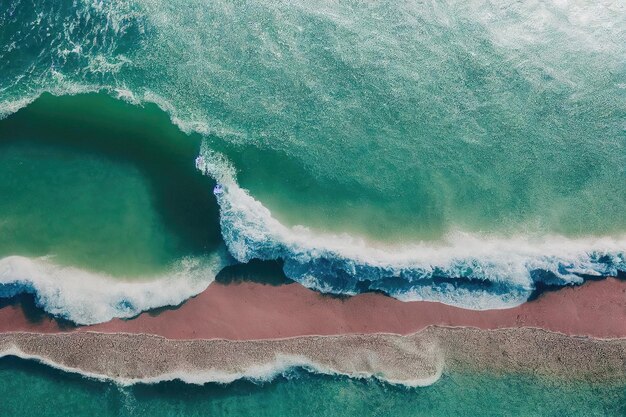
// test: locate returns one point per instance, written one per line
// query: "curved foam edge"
(465, 270)
(262, 373)
(418, 359)
(279, 364)
(65, 88)
(86, 297)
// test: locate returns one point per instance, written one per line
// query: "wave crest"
(85, 297)
(465, 270)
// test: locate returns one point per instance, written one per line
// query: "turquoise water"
(30, 389)
(102, 185)
(103, 213)
(464, 152)
(458, 152)
(398, 121)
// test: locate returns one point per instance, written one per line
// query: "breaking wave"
(464, 270)
(85, 297)
(150, 51)
(282, 366)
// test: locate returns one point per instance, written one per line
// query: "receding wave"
(85, 297)
(283, 365)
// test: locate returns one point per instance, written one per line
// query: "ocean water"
(102, 184)
(467, 152)
(103, 216)
(462, 152)
(461, 115)
(31, 389)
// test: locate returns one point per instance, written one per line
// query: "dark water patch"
(390, 286)
(34, 314)
(154, 312)
(41, 390)
(40, 370)
(142, 138)
(262, 272)
(344, 297)
(545, 286)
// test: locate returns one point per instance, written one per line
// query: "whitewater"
(485, 143)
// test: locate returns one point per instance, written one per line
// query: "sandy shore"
(255, 311)
(256, 331)
(417, 359)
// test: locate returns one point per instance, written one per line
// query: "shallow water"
(30, 389)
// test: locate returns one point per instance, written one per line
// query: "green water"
(102, 185)
(29, 389)
(399, 120)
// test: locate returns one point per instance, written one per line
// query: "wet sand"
(247, 311)
(413, 360)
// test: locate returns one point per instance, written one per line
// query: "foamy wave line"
(10, 106)
(465, 270)
(85, 297)
(266, 372)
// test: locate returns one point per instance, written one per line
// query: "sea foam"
(283, 365)
(86, 297)
(465, 270)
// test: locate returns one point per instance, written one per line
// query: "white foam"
(86, 297)
(65, 88)
(9, 107)
(264, 372)
(250, 231)
(526, 32)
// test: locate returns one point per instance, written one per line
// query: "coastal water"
(465, 152)
(30, 389)
(459, 152)
(103, 213)
(111, 188)
(476, 144)
(101, 184)
(397, 121)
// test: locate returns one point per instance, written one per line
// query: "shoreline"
(257, 331)
(412, 360)
(251, 311)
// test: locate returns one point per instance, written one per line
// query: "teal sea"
(466, 152)
(458, 152)
(30, 389)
